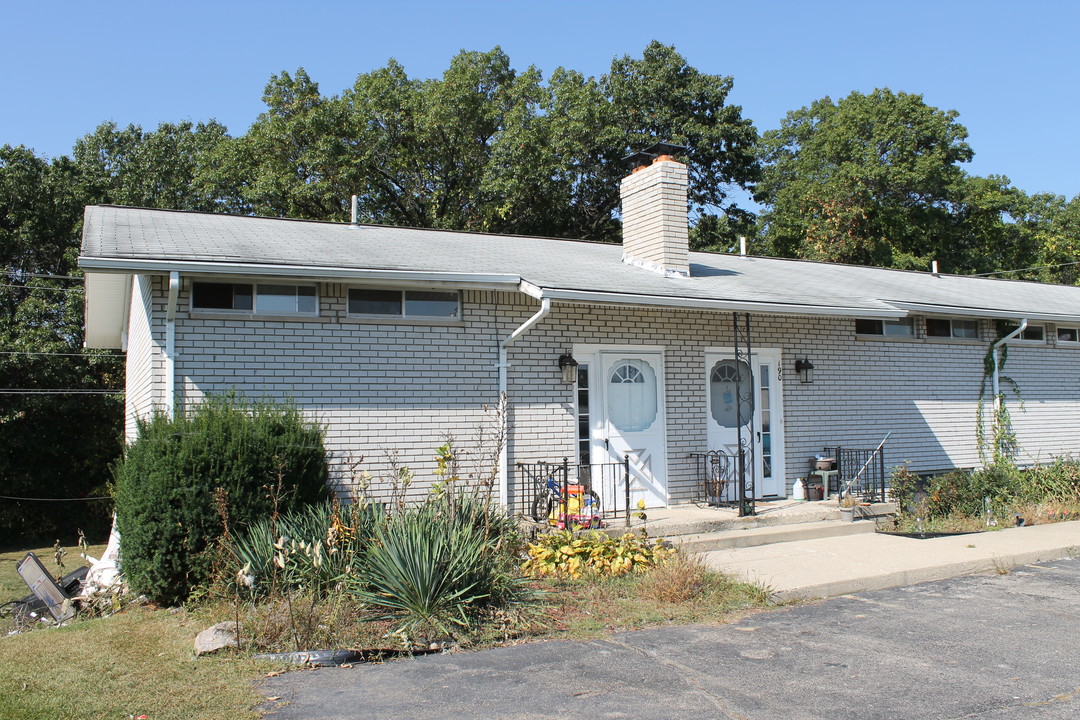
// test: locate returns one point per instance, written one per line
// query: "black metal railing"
(569, 493)
(717, 474)
(861, 473)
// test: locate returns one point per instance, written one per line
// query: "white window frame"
(909, 322)
(1057, 335)
(255, 310)
(1024, 340)
(404, 314)
(952, 336)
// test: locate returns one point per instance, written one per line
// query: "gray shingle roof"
(119, 233)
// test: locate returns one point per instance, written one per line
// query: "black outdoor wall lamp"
(568, 366)
(805, 368)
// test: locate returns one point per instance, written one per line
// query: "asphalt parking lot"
(986, 647)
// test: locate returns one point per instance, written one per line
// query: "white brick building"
(396, 338)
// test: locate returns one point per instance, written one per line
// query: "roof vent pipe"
(742, 245)
(933, 267)
(355, 211)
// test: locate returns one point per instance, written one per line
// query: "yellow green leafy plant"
(565, 554)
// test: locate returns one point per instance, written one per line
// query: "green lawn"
(139, 662)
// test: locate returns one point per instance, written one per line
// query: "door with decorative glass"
(761, 412)
(631, 423)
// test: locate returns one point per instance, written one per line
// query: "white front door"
(761, 413)
(630, 423)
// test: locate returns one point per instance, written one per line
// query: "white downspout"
(170, 344)
(997, 346)
(504, 461)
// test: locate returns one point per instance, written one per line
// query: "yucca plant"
(312, 548)
(439, 565)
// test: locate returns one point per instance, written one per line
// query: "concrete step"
(731, 539)
(682, 520)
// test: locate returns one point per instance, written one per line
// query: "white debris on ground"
(104, 572)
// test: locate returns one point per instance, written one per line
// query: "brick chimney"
(656, 235)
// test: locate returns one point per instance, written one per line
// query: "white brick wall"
(403, 387)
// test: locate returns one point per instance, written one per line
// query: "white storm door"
(631, 424)
(761, 415)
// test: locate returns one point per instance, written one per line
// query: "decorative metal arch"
(744, 393)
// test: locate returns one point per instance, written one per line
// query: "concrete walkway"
(831, 566)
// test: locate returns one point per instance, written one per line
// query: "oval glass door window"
(631, 396)
(722, 394)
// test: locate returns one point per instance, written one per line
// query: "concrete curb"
(843, 565)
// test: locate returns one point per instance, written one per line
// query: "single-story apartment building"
(396, 338)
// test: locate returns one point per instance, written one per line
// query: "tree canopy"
(490, 149)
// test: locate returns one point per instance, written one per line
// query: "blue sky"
(1009, 68)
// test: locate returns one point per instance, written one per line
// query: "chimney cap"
(639, 159)
(666, 148)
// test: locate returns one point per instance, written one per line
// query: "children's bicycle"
(579, 501)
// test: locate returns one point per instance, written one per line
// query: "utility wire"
(14, 271)
(1038, 267)
(51, 354)
(101, 497)
(24, 391)
(40, 287)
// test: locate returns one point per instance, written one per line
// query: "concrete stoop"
(745, 537)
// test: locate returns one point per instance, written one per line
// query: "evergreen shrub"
(265, 458)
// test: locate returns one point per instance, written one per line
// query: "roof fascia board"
(956, 310)
(128, 265)
(604, 298)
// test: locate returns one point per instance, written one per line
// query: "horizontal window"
(405, 303)
(886, 328)
(948, 328)
(1034, 333)
(262, 298)
(1068, 334)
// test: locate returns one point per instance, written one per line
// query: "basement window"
(260, 298)
(1068, 334)
(1032, 333)
(949, 328)
(405, 303)
(885, 328)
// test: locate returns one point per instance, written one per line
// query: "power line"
(1038, 267)
(40, 287)
(100, 497)
(24, 391)
(48, 276)
(51, 354)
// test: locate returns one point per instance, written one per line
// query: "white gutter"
(961, 311)
(374, 276)
(504, 460)
(622, 299)
(996, 383)
(170, 344)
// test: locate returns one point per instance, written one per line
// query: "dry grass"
(300, 622)
(140, 661)
(680, 591)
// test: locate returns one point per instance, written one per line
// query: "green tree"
(488, 148)
(1053, 224)
(872, 179)
(51, 445)
(179, 166)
